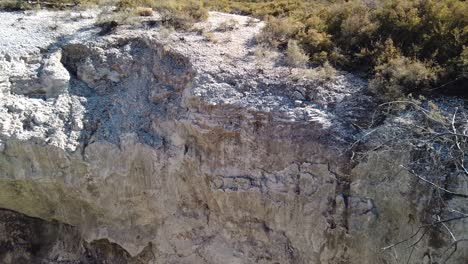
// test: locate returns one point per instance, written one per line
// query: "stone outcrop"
(31, 240)
(144, 147)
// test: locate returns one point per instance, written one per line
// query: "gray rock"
(54, 77)
(298, 96)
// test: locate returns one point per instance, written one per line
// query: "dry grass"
(228, 25)
(144, 11)
(324, 73)
(210, 37)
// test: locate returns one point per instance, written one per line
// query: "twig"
(454, 244)
(424, 111)
(403, 241)
(435, 185)
(457, 142)
(448, 220)
(424, 226)
(446, 227)
(359, 140)
(449, 133)
(414, 244)
(447, 83)
(458, 212)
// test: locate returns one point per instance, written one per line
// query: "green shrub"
(367, 35)
(295, 56)
(319, 44)
(278, 31)
(324, 73)
(181, 14)
(327, 71)
(462, 63)
(177, 14)
(106, 19)
(25, 5)
(13, 5)
(401, 76)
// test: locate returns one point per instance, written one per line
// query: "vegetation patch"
(228, 25)
(179, 15)
(295, 56)
(427, 38)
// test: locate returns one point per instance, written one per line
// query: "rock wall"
(177, 150)
(31, 240)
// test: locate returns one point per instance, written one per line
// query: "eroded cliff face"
(178, 150)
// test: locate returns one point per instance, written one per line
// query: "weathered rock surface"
(27, 240)
(180, 150)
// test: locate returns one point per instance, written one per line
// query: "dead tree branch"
(435, 185)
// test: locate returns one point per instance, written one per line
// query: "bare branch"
(424, 111)
(435, 185)
(448, 229)
(413, 246)
(458, 212)
(438, 143)
(364, 136)
(404, 240)
(423, 227)
(455, 246)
